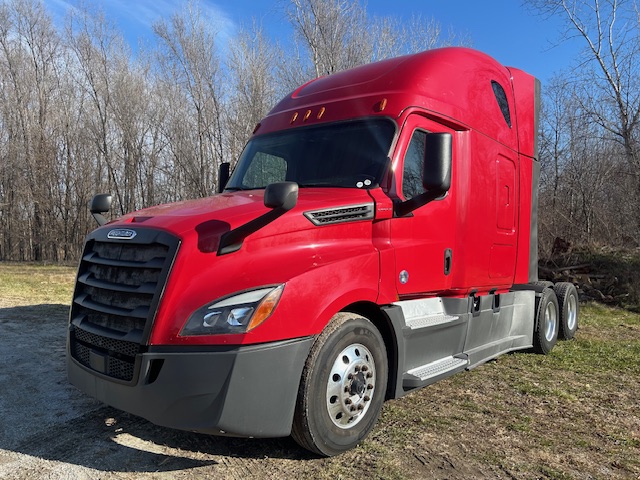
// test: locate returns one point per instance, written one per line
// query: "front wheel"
(343, 386)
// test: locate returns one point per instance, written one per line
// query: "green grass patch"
(554, 474)
(522, 425)
(29, 284)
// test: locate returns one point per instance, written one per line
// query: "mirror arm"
(401, 209)
(232, 240)
(280, 197)
(101, 219)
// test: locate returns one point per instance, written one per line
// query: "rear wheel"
(569, 307)
(547, 322)
(343, 386)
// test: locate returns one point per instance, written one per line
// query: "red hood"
(237, 208)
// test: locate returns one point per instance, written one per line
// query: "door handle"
(448, 258)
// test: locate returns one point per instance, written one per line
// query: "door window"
(413, 161)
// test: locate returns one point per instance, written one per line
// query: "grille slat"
(95, 258)
(86, 302)
(118, 289)
(351, 213)
(90, 280)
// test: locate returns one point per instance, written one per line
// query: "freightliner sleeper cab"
(377, 234)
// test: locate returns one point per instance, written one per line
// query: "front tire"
(343, 386)
(547, 322)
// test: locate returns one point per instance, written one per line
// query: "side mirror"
(223, 175)
(436, 172)
(100, 204)
(281, 195)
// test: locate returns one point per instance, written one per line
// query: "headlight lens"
(235, 314)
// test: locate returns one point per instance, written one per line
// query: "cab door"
(423, 240)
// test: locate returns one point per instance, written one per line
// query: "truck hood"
(237, 208)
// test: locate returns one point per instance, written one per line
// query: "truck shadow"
(44, 416)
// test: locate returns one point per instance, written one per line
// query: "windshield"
(349, 154)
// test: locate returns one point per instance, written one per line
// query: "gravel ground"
(51, 430)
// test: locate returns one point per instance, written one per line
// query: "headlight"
(235, 314)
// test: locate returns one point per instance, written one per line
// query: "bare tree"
(97, 47)
(79, 114)
(334, 35)
(394, 36)
(29, 46)
(606, 79)
(188, 62)
(253, 86)
(327, 29)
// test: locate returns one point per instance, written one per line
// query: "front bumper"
(247, 391)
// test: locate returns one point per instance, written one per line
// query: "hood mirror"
(280, 197)
(100, 204)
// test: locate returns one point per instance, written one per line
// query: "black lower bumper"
(245, 391)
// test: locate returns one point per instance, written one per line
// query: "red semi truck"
(377, 234)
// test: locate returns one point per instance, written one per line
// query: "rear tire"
(547, 322)
(569, 309)
(342, 388)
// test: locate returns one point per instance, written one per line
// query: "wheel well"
(372, 312)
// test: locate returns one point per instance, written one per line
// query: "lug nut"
(350, 376)
(360, 407)
(353, 409)
(357, 369)
(366, 398)
(370, 386)
(369, 374)
(347, 401)
(346, 389)
(365, 368)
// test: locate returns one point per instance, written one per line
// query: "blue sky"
(504, 29)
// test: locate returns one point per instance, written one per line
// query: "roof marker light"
(306, 115)
(320, 113)
(383, 104)
(294, 118)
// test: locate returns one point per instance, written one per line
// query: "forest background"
(81, 113)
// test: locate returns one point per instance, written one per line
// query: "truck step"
(420, 376)
(425, 321)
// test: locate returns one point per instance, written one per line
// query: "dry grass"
(573, 414)
(28, 284)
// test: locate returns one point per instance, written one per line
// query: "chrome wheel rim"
(350, 386)
(572, 314)
(551, 321)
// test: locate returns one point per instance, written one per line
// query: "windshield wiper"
(311, 185)
(242, 188)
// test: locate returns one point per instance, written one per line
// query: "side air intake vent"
(351, 213)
